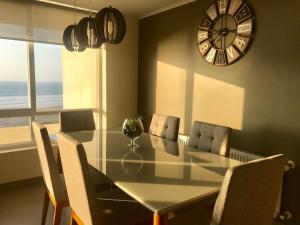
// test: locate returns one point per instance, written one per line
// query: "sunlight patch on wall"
(171, 91)
(218, 102)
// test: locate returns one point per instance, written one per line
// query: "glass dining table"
(162, 175)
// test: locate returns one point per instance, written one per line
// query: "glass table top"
(162, 175)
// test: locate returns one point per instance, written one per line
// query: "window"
(31, 71)
(21, 99)
(13, 79)
(48, 76)
(51, 122)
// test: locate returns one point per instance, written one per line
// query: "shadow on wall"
(194, 96)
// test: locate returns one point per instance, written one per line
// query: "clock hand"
(226, 34)
(217, 39)
(221, 41)
(214, 39)
(216, 32)
(222, 22)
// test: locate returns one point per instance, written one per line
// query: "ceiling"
(139, 8)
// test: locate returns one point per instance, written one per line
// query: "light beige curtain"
(26, 20)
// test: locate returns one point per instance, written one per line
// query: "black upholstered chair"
(210, 137)
(164, 126)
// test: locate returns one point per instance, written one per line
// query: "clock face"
(225, 31)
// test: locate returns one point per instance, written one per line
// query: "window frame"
(30, 112)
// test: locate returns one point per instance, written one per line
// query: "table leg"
(160, 219)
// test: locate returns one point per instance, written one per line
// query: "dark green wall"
(269, 74)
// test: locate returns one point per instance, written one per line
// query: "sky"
(14, 61)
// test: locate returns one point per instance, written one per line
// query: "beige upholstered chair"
(76, 120)
(55, 187)
(248, 196)
(55, 183)
(86, 208)
(82, 120)
(164, 126)
(209, 137)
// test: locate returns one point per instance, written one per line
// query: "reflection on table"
(160, 174)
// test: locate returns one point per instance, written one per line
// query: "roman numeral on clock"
(202, 35)
(234, 5)
(220, 58)
(205, 23)
(222, 6)
(211, 55)
(232, 54)
(212, 12)
(241, 43)
(204, 47)
(243, 14)
(245, 28)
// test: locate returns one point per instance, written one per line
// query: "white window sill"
(18, 148)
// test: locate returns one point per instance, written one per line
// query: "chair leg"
(45, 208)
(57, 214)
(160, 219)
(73, 221)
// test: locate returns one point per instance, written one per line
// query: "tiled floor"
(21, 204)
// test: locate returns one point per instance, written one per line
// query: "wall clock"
(225, 31)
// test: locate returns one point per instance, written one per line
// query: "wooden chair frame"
(58, 207)
(75, 220)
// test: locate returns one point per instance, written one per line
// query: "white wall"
(19, 165)
(122, 77)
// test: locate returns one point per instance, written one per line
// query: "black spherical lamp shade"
(110, 25)
(70, 39)
(86, 34)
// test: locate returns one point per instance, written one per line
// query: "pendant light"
(110, 25)
(70, 36)
(86, 35)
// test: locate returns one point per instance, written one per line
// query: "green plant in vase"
(133, 128)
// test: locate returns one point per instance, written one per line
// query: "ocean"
(14, 95)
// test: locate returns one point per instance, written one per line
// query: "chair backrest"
(76, 120)
(210, 137)
(82, 196)
(249, 193)
(48, 163)
(164, 126)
